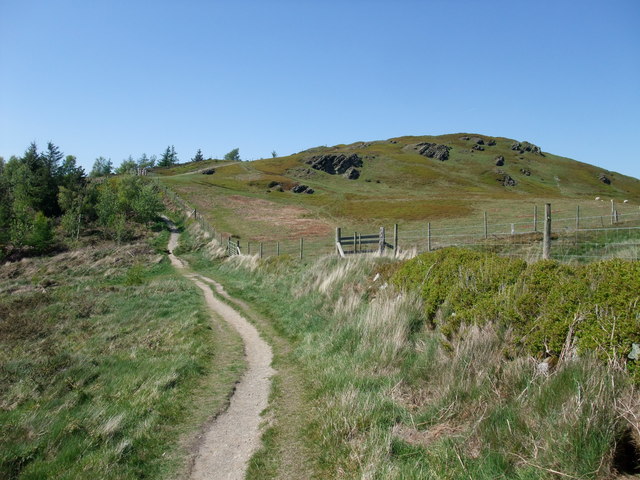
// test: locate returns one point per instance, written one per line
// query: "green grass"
(397, 186)
(391, 396)
(109, 363)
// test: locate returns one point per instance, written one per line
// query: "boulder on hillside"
(433, 150)
(208, 171)
(302, 189)
(526, 147)
(464, 138)
(351, 174)
(477, 146)
(507, 181)
(491, 142)
(525, 171)
(335, 164)
(499, 161)
(604, 179)
(477, 140)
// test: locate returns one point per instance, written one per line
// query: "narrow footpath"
(225, 447)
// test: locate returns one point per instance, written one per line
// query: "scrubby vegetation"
(417, 370)
(106, 364)
(553, 308)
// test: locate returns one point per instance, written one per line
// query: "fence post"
(613, 211)
(338, 235)
(355, 239)
(546, 240)
(428, 236)
(381, 241)
(277, 249)
(248, 248)
(301, 247)
(578, 217)
(535, 219)
(395, 239)
(260, 249)
(486, 229)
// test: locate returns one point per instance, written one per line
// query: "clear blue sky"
(114, 78)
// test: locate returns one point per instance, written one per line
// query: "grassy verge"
(109, 362)
(390, 394)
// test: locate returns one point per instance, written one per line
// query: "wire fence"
(586, 232)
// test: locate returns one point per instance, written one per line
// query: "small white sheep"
(597, 198)
(626, 201)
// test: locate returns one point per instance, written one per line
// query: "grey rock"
(477, 140)
(604, 179)
(526, 147)
(499, 161)
(352, 173)
(334, 164)
(477, 146)
(491, 142)
(208, 171)
(464, 138)
(433, 150)
(526, 172)
(508, 181)
(300, 189)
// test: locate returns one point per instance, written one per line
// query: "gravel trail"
(229, 441)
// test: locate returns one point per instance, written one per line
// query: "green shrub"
(596, 307)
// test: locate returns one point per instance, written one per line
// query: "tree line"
(103, 167)
(48, 201)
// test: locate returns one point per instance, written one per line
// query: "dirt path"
(230, 440)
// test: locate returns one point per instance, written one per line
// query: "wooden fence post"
(428, 236)
(301, 247)
(535, 219)
(546, 240)
(381, 241)
(355, 242)
(395, 239)
(486, 229)
(277, 249)
(578, 217)
(613, 211)
(260, 249)
(338, 235)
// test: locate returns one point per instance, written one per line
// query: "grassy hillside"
(450, 378)
(398, 184)
(106, 364)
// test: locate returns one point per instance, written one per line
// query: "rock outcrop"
(208, 171)
(604, 179)
(525, 171)
(507, 181)
(499, 161)
(433, 150)
(302, 189)
(526, 147)
(335, 164)
(352, 173)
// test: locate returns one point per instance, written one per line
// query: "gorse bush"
(549, 305)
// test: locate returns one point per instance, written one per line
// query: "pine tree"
(168, 158)
(199, 157)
